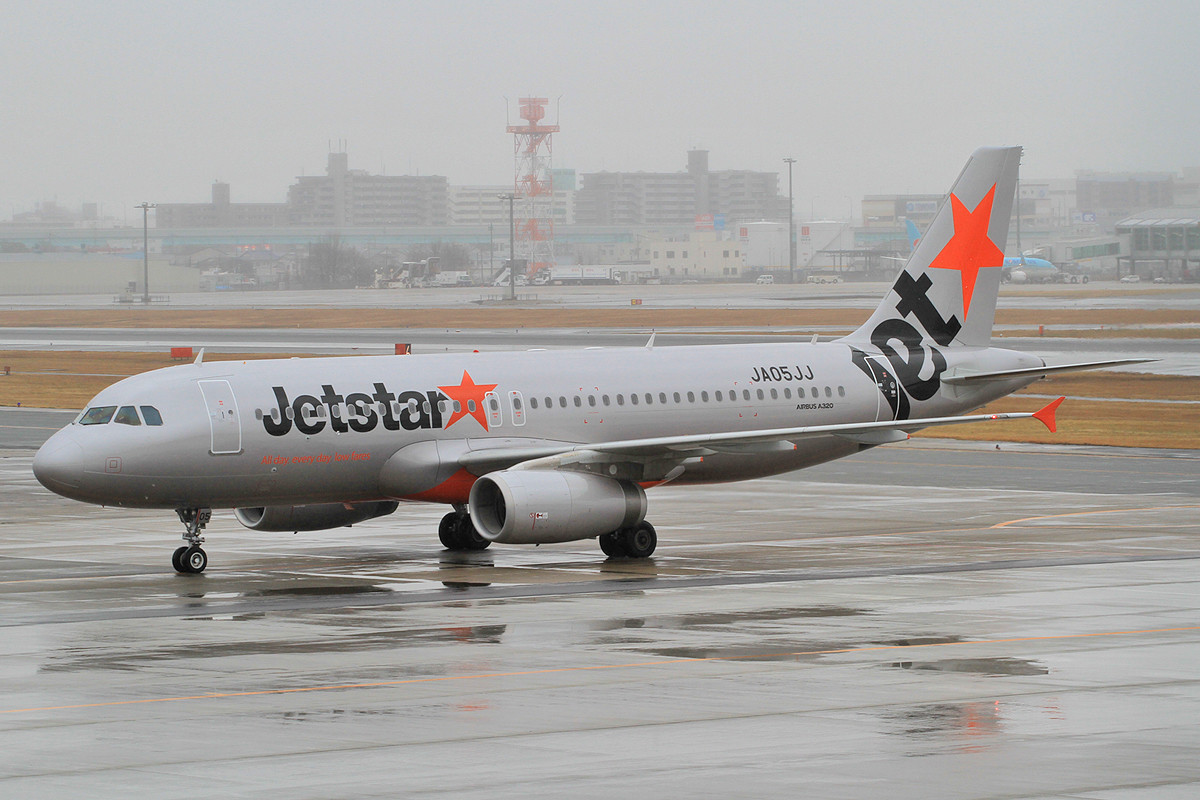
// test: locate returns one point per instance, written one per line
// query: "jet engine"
(1018, 276)
(542, 506)
(317, 517)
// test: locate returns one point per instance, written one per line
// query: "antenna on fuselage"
(199, 357)
(650, 343)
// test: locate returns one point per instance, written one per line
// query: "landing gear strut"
(457, 532)
(191, 559)
(636, 542)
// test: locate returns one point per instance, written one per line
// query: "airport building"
(221, 213)
(679, 198)
(1163, 243)
(353, 197)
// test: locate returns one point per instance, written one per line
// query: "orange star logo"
(468, 393)
(970, 249)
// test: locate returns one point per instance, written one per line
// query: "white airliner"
(555, 446)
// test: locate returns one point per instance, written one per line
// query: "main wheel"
(468, 537)
(640, 540)
(177, 559)
(194, 560)
(611, 544)
(448, 532)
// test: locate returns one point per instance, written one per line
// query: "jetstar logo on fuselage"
(362, 412)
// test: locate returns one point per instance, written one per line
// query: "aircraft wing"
(676, 449)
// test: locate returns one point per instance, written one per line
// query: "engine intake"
(542, 506)
(316, 517)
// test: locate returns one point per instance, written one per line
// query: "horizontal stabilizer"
(1045, 414)
(973, 377)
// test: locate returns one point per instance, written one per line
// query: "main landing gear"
(636, 542)
(457, 532)
(191, 559)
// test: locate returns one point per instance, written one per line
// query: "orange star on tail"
(466, 392)
(970, 249)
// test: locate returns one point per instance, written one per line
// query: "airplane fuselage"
(302, 431)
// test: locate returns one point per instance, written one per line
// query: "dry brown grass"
(1089, 422)
(68, 379)
(544, 317)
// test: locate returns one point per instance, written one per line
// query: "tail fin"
(914, 235)
(947, 289)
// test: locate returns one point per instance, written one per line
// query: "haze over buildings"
(119, 103)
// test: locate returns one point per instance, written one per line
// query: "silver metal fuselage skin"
(216, 451)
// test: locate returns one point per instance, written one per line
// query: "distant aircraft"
(555, 446)
(1027, 269)
(914, 235)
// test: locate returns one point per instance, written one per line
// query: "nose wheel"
(191, 558)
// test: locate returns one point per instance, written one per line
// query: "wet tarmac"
(926, 619)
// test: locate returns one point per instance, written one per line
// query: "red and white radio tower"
(533, 184)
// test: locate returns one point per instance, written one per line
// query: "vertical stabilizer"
(947, 290)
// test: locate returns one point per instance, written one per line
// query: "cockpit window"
(127, 415)
(151, 415)
(99, 415)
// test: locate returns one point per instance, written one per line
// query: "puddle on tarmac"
(994, 667)
(718, 619)
(128, 659)
(319, 591)
(966, 719)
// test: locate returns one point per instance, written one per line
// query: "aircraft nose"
(58, 465)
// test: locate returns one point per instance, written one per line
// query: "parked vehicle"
(764, 280)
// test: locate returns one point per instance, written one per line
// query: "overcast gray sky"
(120, 102)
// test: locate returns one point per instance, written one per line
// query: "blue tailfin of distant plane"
(914, 235)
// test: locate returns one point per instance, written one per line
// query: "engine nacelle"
(542, 506)
(1018, 276)
(317, 517)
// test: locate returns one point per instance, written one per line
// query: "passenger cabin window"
(127, 415)
(151, 415)
(100, 415)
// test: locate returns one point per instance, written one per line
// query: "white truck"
(578, 276)
(451, 277)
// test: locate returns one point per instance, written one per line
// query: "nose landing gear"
(191, 559)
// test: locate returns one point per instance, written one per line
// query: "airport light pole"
(791, 225)
(512, 235)
(145, 207)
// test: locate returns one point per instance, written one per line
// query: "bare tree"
(332, 265)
